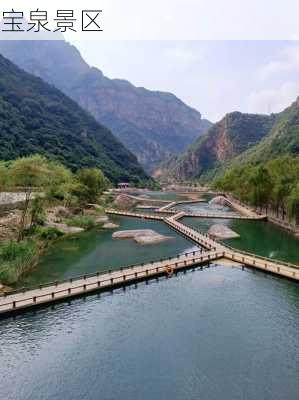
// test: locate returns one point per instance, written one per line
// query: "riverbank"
(291, 228)
(18, 258)
(93, 217)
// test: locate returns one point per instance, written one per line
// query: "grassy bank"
(17, 259)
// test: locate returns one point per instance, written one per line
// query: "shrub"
(48, 233)
(16, 259)
(82, 221)
(12, 250)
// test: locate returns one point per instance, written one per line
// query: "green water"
(217, 334)
(204, 207)
(96, 250)
(171, 196)
(257, 237)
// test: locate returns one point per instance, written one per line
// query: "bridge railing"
(233, 249)
(102, 272)
(269, 260)
(125, 277)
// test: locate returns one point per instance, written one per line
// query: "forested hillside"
(154, 125)
(35, 117)
(231, 136)
(282, 139)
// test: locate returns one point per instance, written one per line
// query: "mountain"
(35, 117)
(225, 140)
(153, 125)
(282, 139)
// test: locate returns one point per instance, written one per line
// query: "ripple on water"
(218, 333)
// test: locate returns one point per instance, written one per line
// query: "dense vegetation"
(46, 183)
(37, 118)
(273, 184)
(283, 138)
(153, 125)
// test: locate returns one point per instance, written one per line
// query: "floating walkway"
(210, 251)
(135, 215)
(23, 299)
(281, 268)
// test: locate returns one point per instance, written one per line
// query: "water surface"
(257, 237)
(96, 250)
(217, 334)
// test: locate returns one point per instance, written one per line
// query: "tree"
(284, 173)
(91, 183)
(38, 178)
(261, 185)
(293, 204)
(4, 176)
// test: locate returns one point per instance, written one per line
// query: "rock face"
(222, 232)
(141, 236)
(153, 125)
(234, 134)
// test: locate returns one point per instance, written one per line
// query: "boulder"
(110, 225)
(142, 236)
(218, 201)
(222, 232)
(123, 201)
(65, 228)
(63, 212)
(130, 234)
(101, 219)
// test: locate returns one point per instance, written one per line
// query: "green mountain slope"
(225, 140)
(153, 125)
(282, 139)
(37, 118)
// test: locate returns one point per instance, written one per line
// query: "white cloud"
(273, 99)
(287, 62)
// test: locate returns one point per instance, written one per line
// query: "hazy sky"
(215, 77)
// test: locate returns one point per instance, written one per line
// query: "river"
(221, 333)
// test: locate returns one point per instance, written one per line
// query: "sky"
(215, 77)
(216, 55)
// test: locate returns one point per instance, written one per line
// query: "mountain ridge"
(153, 124)
(225, 140)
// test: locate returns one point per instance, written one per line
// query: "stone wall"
(11, 200)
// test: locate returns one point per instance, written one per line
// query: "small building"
(124, 185)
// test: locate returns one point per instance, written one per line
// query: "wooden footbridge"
(241, 212)
(210, 251)
(103, 281)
